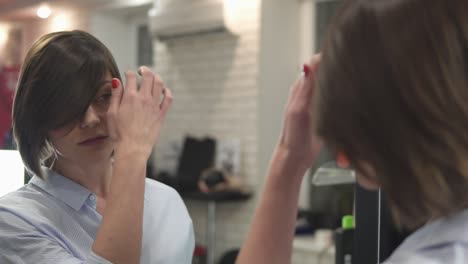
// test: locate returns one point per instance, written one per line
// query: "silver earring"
(56, 154)
(53, 161)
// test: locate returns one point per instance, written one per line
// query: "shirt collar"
(62, 188)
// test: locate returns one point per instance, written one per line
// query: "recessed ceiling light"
(44, 11)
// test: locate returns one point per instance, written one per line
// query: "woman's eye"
(104, 98)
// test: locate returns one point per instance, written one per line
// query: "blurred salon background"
(229, 64)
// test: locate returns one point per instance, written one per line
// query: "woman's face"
(87, 141)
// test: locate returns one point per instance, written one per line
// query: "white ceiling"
(20, 10)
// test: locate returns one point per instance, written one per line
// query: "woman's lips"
(93, 141)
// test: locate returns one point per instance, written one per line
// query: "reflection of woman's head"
(393, 93)
(60, 77)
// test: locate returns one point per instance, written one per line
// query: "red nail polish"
(306, 70)
(342, 160)
(115, 83)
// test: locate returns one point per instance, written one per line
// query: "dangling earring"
(55, 159)
(56, 154)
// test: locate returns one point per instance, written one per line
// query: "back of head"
(60, 76)
(393, 92)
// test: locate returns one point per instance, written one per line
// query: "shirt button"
(92, 197)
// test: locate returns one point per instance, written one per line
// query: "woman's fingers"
(309, 73)
(314, 62)
(138, 113)
(298, 134)
(151, 85)
(157, 90)
(166, 103)
(303, 91)
(117, 93)
(131, 84)
(147, 81)
(305, 86)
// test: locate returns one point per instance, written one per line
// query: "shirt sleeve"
(187, 232)
(167, 225)
(22, 243)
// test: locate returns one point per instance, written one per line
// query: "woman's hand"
(136, 115)
(271, 235)
(298, 139)
(134, 118)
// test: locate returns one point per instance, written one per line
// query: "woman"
(390, 94)
(86, 139)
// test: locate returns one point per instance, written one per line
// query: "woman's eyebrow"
(104, 87)
(105, 82)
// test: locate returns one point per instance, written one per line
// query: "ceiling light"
(61, 22)
(44, 12)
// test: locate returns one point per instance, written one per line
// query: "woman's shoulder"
(452, 253)
(161, 194)
(156, 185)
(166, 219)
(39, 205)
(163, 203)
(26, 196)
(161, 189)
(440, 241)
(23, 207)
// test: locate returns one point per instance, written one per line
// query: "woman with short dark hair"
(390, 94)
(86, 140)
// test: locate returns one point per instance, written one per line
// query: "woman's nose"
(91, 118)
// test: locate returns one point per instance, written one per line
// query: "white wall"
(306, 50)
(118, 35)
(214, 78)
(287, 42)
(118, 30)
(287, 39)
(279, 69)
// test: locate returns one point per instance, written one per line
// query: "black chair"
(197, 155)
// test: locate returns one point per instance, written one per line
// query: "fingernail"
(306, 70)
(342, 160)
(115, 83)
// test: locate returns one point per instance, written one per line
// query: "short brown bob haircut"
(393, 92)
(61, 75)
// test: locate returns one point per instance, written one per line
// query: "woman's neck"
(94, 177)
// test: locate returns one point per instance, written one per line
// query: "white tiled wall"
(214, 79)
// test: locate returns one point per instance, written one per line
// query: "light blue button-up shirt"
(443, 241)
(55, 221)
